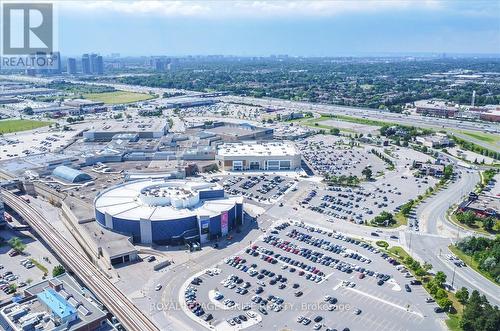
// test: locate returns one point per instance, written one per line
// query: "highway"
(117, 303)
(436, 123)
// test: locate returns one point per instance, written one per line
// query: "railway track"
(117, 303)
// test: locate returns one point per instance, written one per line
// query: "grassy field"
(470, 262)
(9, 126)
(117, 97)
(482, 136)
(316, 123)
(360, 120)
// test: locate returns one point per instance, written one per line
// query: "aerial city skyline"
(250, 165)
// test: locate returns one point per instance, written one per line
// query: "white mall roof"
(124, 201)
(253, 148)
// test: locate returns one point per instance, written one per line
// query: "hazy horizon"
(296, 28)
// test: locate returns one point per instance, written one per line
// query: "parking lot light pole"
(453, 277)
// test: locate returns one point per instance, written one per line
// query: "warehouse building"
(168, 211)
(268, 156)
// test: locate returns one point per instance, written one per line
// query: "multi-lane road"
(118, 304)
(451, 125)
(439, 233)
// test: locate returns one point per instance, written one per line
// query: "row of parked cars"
(191, 302)
(6, 280)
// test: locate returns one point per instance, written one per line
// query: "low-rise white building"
(253, 155)
(437, 140)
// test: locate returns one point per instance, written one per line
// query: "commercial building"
(145, 129)
(270, 156)
(491, 114)
(70, 175)
(56, 304)
(27, 91)
(71, 66)
(482, 205)
(436, 108)
(186, 102)
(437, 140)
(168, 211)
(429, 169)
(231, 132)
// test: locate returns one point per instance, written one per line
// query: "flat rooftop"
(486, 202)
(69, 294)
(136, 125)
(234, 130)
(275, 148)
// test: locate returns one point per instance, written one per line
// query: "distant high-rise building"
(93, 63)
(86, 64)
(158, 64)
(96, 64)
(57, 66)
(99, 65)
(71, 66)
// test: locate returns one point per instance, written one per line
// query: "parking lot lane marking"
(385, 301)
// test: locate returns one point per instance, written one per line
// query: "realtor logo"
(27, 28)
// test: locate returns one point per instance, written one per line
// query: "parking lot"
(330, 154)
(302, 277)
(18, 270)
(261, 188)
(363, 203)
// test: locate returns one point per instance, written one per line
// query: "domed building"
(168, 211)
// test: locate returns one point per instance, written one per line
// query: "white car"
(158, 287)
(251, 314)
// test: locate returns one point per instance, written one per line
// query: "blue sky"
(308, 28)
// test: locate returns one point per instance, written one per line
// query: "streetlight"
(453, 277)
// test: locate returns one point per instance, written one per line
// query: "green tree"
(462, 295)
(427, 266)
(335, 131)
(488, 223)
(448, 171)
(58, 270)
(13, 287)
(17, 244)
(440, 278)
(28, 110)
(367, 172)
(444, 303)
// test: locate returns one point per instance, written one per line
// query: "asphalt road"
(439, 233)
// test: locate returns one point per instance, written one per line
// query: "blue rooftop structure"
(59, 307)
(70, 175)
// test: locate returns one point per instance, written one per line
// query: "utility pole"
(453, 277)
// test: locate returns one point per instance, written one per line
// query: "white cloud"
(255, 9)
